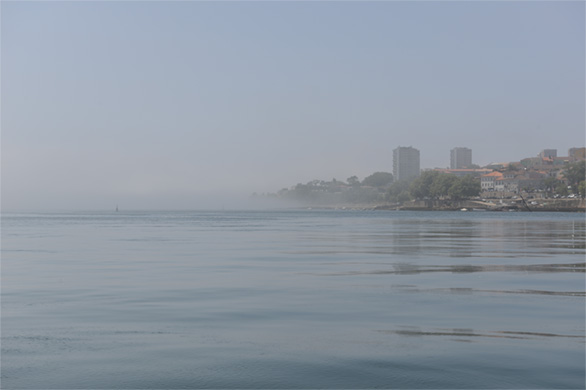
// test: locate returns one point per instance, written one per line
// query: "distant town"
(544, 182)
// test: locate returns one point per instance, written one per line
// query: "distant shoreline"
(542, 205)
(388, 208)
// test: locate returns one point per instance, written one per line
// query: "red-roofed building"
(464, 172)
(488, 181)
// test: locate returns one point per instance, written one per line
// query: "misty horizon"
(195, 105)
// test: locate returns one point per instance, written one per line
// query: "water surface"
(293, 299)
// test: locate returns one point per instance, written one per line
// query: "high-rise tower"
(460, 158)
(405, 163)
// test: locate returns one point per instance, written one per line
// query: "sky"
(195, 104)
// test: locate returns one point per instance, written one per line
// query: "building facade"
(577, 154)
(488, 181)
(548, 153)
(512, 181)
(405, 163)
(460, 158)
(465, 171)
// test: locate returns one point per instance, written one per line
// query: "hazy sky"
(178, 105)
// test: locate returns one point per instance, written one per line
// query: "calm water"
(293, 299)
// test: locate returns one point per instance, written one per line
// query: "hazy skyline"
(185, 104)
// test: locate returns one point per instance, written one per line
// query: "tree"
(403, 197)
(435, 185)
(575, 173)
(378, 179)
(353, 181)
(441, 185)
(561, 189)
(398, 191)
(421, 187)
(582, 189)
(550, 184)
(465, 187)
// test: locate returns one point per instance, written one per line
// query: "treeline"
(434, 185)
(381, 188)
(370, 190)
(575, 175)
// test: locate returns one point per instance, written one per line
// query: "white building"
(488, 182)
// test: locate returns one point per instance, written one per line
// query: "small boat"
(464, 209)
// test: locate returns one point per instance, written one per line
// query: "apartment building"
(460, 158)
(406, 163)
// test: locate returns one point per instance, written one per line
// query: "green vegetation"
(575, 174)
(371, 190)
(436, 185)
(561, 189)
(380, 188)
(550, 185)
(353, 181)
(398, 192)
(378, 179)
(464, 187)
(582, 189)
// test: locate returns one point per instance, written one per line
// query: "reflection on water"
(463, 290)
(409, 268)
(471, 333)
(463, 238)
(293, 299)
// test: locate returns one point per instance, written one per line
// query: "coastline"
(494, 205)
